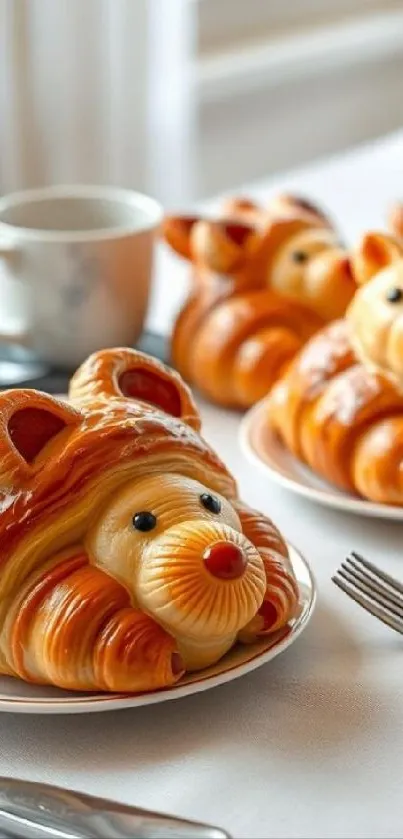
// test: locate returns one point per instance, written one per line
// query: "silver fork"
(373, 589)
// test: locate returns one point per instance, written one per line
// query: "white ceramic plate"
(264, 449)
(22, 698)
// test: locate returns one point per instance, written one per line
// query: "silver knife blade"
(41, 811)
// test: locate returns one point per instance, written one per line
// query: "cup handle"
(8, 252)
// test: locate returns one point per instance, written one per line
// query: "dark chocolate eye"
(299, 256)
(211, 503)
(394, 295)
(144, 521)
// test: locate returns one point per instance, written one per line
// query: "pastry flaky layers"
(126, 555)
(340, 406)
(263, 282)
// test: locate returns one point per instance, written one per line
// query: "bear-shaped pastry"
(127, 558)
(339, 407)
(263, 282)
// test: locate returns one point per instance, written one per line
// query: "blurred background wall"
(186, 98)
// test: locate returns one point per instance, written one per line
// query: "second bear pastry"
(264, 281)
(340, 405)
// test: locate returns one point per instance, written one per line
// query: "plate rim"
(113, 702)
(325, 496)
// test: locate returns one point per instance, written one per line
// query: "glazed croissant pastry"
(339, 407)
(264, 281)
(127, 558)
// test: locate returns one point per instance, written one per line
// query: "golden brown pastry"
(127, 558)
(340, 405)
(395, 219)
(283, 205)
(264, 281)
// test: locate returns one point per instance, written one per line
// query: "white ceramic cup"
(82, 258)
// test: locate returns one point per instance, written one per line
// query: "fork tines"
(373, 589)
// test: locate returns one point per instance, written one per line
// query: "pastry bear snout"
(201, 578)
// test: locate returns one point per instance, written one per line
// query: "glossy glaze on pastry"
(126, 555)
(340, 405)
(263, 282)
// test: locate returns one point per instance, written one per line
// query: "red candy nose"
(225, 560)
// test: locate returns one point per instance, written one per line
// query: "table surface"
(311, 744)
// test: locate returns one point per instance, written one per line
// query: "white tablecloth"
(310, 745)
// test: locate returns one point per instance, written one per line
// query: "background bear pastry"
(127, 557)
(264, 280)
(340, 405)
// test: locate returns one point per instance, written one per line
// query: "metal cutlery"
(41, 811)
(373, 589)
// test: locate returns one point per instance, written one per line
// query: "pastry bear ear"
(279, 206)
(130, 376)
(29, 421)
(375, 251)
(241, 209)
(224, 246)
(286, 205)
(176, 230)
